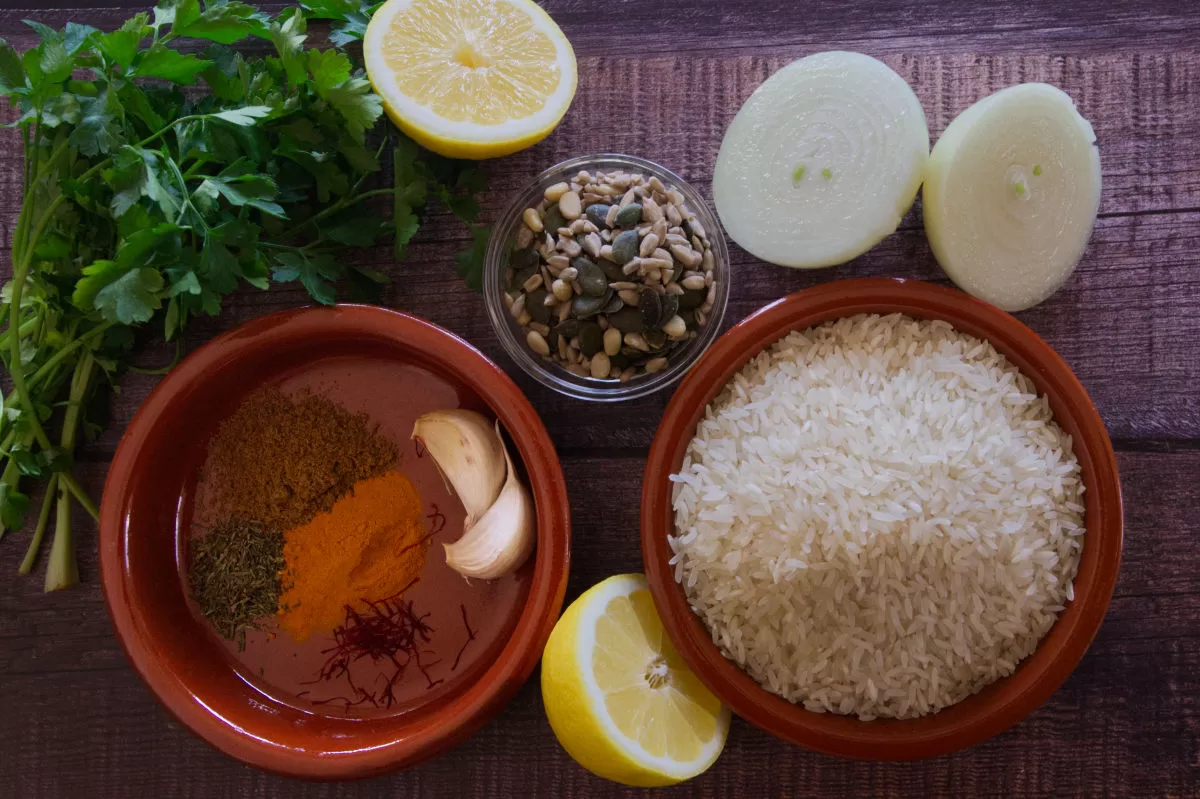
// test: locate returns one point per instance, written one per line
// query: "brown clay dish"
(1003, 703)
(145, 507)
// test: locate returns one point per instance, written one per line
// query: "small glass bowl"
(548, 372)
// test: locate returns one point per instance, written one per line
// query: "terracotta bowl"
(144, 519)
(1001, 704)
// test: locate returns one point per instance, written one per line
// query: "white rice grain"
(878, 517)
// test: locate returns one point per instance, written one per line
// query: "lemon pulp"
(470, 78)
(620, 698)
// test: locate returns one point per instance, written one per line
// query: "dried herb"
(234, 575)
(388, 631)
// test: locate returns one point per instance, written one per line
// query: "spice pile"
(312, 519)
(611, 273)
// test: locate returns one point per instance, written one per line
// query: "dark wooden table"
(662, 80)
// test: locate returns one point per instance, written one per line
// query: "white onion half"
(822, 161)
(1011, 195)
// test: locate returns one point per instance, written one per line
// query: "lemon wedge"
(619, 697)
(470, 78)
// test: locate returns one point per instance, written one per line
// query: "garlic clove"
(503, 538)
(469, 455)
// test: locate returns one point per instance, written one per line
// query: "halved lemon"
(620, 699)
(470, 78)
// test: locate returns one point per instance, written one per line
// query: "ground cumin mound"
(281, 459)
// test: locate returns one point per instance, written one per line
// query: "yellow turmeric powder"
(368, 546)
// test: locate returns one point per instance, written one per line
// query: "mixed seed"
(610, 274)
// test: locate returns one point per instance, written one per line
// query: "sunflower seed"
(648, 245)
(592, 244)
(600, 365)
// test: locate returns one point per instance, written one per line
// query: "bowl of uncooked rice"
(873, 517)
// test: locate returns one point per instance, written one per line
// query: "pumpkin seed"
(591, 278)
(524, 258)
(670, 305)
(554, 219)
(585, 306)
(591, 339)
(597, 214)
(625, 247)
(535, 305)
(691, 299)
(627, 320)
(611, 270)
(604, 286)
(567, 328)
(614, 304)
(656, 339)
(650, 306)
(629, 215)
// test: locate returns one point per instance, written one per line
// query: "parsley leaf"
(356, 228)
(244, 116)
(288, 37)
(120, 294)
(99, 129)
(218, 266)
(13, 507)
(121, 46)
(75, 36)
(162, 62)
(12, 73)
(131, 298)
(256, 191)
(329, 9)
(358, 105)
(469, 263)
(328, 68)
(313, 272)
(224, 23)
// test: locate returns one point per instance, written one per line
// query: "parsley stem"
(16, 371)
(62, 354)
(340, 205)
(35, 543)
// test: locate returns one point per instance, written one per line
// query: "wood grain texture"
(663, 81)
(1125, 724)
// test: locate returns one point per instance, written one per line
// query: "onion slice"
(1011, 195)
(822, 161)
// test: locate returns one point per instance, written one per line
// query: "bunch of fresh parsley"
(163, 170)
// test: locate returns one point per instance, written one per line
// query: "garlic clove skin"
(503, 538)
(469, 455)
